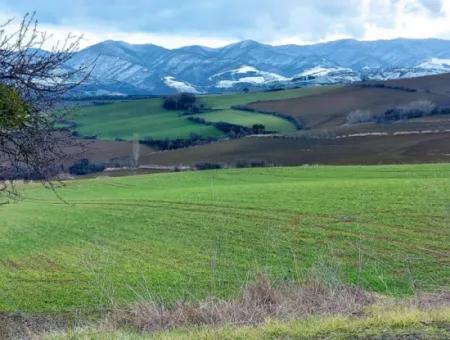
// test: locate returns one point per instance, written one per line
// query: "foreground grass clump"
(383, 322)
(187, 236)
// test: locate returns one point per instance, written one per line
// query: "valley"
(322, 133)
(242, 192)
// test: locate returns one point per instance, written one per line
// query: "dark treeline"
(417, 109)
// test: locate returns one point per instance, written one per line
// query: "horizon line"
(260, 43)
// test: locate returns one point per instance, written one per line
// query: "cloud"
(214, 23)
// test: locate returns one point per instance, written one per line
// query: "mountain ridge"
(123, 68)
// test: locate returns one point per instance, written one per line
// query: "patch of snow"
(180, 86)
(436, 63)
(226, 84)
(320, 71)
(245, 69)
(246, 75)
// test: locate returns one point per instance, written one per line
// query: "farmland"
(143, 118)
(388, 149)
(248, 119)
(196, 234)
(330, 110)
(137, 119)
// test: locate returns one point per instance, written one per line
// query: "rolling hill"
(145, 118)
(187, 236)
(326, 136)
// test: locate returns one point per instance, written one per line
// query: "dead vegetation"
(259, 301)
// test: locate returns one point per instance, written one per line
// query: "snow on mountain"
(328, 75)
(320, 71)
(144, 69)
(180, 86)
(436, 63)
(245, 75)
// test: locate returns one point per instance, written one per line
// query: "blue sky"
(173, 23)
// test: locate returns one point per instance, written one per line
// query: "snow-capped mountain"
(245, 75)
(122, 68)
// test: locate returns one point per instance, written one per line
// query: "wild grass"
(264, 311)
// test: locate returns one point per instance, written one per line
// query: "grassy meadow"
(190, 235)
(147, 118)
(133, 119)
(248, 119)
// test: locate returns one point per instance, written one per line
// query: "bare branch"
(33, 148)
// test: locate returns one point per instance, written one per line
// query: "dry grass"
(262, 309)
(257, 302)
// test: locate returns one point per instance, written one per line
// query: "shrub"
(417, 109)
(258, 128)
(180, 101)
(172, 144)
(360, 116)
(208, 166)
(250, 164)
(14, 111)
(85, 167)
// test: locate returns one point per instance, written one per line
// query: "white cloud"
(220, 22)
(408, 18)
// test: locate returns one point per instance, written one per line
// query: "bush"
(259, 129)
(250, 164)
(417, 109)
(180, 101)
(360, 116)
(208, 166)
(172, 144)
(14, 110)
(85, 167)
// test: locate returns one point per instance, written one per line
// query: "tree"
(180, 101)
(33, 82)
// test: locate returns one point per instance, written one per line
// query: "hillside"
(331, 109)
(124, 69)
(147, 118)
(112, 240)
(325, 135)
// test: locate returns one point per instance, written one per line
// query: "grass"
(147, 117)
(428, 324)
(248, 119)
(197, 234)
(227, 100)
(385, 323)
(137, 118)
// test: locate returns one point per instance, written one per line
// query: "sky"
(214, 23)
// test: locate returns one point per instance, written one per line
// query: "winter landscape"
(284, 175)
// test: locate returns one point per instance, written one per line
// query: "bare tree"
(32, 83)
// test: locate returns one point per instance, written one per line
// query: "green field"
(137, 119)
(227, 100)
(147, 118)
(195, 234)
(248, 119)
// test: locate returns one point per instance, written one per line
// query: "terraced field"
(191, 235)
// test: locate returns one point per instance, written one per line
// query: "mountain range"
(126, 69)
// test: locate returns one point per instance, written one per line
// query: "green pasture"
(190, 235)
